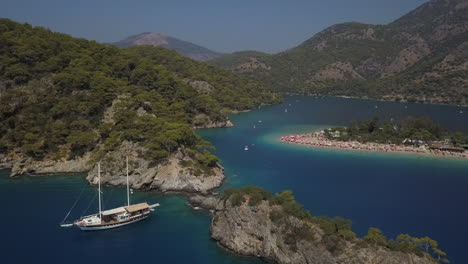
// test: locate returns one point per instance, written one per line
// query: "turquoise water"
(397, 193)
(33, 207)
(394, 192)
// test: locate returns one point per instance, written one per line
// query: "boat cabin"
(121, 213)
(137, 208)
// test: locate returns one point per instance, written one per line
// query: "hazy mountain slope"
(184, 48)
(421, 56)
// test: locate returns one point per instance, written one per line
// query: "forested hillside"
(423, 56)
(61, 97)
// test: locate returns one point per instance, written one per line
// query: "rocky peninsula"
(174, 173)
(252, 222)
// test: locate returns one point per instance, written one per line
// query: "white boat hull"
(110, 226)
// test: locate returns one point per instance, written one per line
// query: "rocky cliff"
(254, 231)
(172, 174)
(20, 164)
(175, 173)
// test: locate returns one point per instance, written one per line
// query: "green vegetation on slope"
(336, 230)
(62, 96)
(419, 57)
(395, 132)
(231, 92)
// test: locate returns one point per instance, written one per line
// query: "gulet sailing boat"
(115, 217)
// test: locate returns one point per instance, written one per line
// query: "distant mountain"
(184, 48)
(423, 56)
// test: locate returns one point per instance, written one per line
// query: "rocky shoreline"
(250, 231)
(20, 165)
(243, 229)
(211, 124)
(166, 176)
(169, 175)
(432, 101)
(396, 99)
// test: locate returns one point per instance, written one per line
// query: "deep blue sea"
(396, 193)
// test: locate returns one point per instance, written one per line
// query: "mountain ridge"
(183, 47)
(422, 56)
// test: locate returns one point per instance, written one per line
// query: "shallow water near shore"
(397, 193)
(34, 207)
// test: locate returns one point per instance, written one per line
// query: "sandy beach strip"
(317, 140)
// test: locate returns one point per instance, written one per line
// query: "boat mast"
(128, 187)
(99, 189)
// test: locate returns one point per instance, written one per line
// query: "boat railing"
(86, 216)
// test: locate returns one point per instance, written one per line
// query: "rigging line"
(79, 196)
(111, 198)
(92, 200)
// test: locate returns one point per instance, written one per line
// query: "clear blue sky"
(221, 25)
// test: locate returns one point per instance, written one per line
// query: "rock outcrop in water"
(209, 202)
(257, 230)
(21, 165)
(169, 175)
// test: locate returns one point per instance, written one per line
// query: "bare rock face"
(205, 202)
(5, 162)
(252, 65)
(370, 67)
(204, 121)
(337, 71)
(457, 60)
(321, 45)
(408, 57)
(248, 230)
(169, 175)
(184, 48)
(154, 39)
(173, 174)
(20, 165)
(110, 111)
(201, 86)
(444, 31)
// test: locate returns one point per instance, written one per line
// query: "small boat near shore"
(115, 217)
